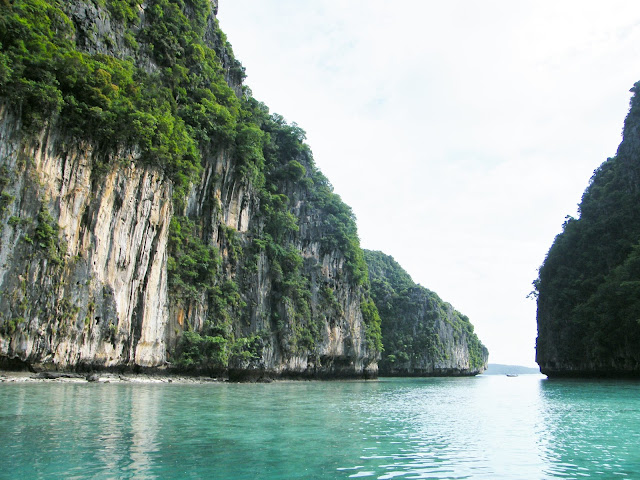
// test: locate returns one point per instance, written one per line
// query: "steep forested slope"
(422, 335)
(589, 284)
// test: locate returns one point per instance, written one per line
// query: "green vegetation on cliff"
(588, 287)
(418, 328)
(169, 112)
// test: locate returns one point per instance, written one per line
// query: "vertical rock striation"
(81, 261)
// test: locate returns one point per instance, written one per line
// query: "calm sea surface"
(487, 427)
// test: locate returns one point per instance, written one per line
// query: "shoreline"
(130, 378)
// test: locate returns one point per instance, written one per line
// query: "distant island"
(423, 336)
(500, 369)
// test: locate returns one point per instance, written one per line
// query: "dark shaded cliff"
(589, 284)
(422, 335)
(155, 215)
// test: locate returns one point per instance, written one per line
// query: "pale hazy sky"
(460, 132)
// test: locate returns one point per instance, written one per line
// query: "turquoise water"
(487, 427)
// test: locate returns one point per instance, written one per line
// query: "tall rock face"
(154, 215)
(589, 284)
(422, 335)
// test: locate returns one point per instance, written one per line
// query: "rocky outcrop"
(587, 289)
(107, 260)
(422, 335)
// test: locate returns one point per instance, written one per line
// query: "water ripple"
(479, 428)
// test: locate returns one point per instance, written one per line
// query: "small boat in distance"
(512, 374)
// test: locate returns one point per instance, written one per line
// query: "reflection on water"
(488, 427)
(456, 428)
(591, 429)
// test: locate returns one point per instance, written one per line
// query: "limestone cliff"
(155, 215)
(422, 335)
(81, 261)
(587, 289)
